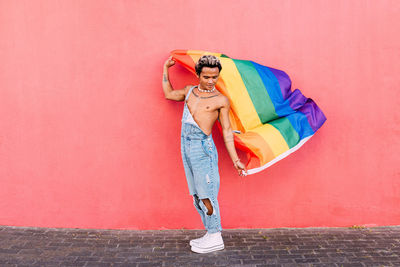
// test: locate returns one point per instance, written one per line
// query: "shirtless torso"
(205, 107)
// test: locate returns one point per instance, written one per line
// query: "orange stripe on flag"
(258, 146)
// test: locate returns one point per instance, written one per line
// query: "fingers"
(241, 172)
(241, 168)
(171, 59)
(169, 62)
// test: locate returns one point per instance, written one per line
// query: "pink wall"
(87, 139)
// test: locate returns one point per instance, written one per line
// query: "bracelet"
(234, 162)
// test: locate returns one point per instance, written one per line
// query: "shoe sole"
(194, 242)
(207, 250)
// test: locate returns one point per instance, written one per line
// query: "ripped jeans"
(200, 160)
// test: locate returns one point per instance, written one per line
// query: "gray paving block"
(34, 246)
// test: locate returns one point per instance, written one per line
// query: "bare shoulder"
(224, 101)
(187, 87)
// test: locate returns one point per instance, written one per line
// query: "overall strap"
(190, 90)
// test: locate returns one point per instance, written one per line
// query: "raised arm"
(170, 93)
(228, 137)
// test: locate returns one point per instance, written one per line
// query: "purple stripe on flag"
(314, 114)
(296, 98)
(284, 81)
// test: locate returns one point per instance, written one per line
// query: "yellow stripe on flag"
(241, 101)
(273, 137)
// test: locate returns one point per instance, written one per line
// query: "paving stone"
(34, 246)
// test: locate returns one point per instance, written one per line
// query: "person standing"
(203, 106)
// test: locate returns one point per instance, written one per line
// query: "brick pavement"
(27, 246)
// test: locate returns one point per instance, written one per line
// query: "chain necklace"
(205, 91)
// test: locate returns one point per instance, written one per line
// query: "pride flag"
(269, 120)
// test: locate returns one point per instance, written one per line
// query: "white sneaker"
(197, 240)
(209, 243)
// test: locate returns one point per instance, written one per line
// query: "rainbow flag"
(268, 119)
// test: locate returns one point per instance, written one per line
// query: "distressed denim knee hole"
(206, 210)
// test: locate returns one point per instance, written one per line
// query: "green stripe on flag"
(284, 126)
(255, 87)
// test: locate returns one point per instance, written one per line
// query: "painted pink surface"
(87, 139)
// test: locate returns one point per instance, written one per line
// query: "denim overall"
(200, 160)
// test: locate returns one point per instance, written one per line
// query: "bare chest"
(202, 106)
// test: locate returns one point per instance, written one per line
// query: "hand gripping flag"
(268, 119)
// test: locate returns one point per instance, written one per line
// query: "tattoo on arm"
(165, 78)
